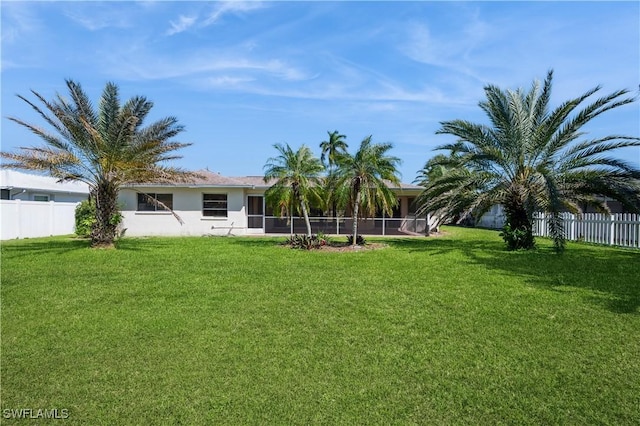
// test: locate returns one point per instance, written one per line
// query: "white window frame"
(211, 208)
(156, 209)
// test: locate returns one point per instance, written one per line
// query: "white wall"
(31, 219)
(494, 218)
(64, 197)
(187, 203)
(23, 186)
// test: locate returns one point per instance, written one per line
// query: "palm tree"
(297, 176)
(360, 180)
(435, 168)
(104, 148)
(331, 149)
(533, 159)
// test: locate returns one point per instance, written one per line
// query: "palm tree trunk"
(520, 223)
(305, 213)
(103, 232)
(356, 208)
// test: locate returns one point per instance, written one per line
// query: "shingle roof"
(216, 179)
(212, 179)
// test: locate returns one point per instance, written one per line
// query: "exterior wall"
(493, 219)
(29, 195)
(24, 186)
(31, 219)
(187, 203)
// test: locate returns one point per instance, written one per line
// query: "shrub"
(359, 240)
(517, 238)
(324, 238)
(306, 242)
(85, 218)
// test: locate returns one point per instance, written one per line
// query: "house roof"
(216, 179)
(210, 179)
(11, 179)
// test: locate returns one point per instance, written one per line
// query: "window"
(148, 205)
(214, 205)
(40, 197)
(5, 194)
(397, 209)
(411, 201)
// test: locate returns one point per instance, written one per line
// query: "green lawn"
(448, 330)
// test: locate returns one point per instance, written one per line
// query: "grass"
(451, 330)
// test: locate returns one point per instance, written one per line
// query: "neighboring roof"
(11, 179)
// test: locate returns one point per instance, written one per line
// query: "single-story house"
(221, 205)
(37, 206)
(495, 218)
(16, 185)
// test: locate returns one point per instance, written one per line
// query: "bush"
(85, 218)
(306, 242)
(324, 238)
(517, 238)
(359, 240)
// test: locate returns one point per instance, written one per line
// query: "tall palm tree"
(533, 159)
(362, 180)
(297, 175)
(104, 148)
(331, 149)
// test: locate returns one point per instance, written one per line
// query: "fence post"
(51, 216)
(612, 229)
(19, 221)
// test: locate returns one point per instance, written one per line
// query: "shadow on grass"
(257, 242)
(57, 245)
(141, 243)
(28, 247)
(610, 274)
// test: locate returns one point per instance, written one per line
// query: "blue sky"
(242, 76)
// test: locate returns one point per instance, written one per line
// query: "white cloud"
(184, 23)
(449, 52)
(232, 6)
(94, 17)
(135, 64)
(227, 81)
(18, 21)
(221, 8)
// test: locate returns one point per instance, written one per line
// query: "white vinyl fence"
(31, 219)
(616, 230)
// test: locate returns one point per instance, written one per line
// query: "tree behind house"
(331, 149)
